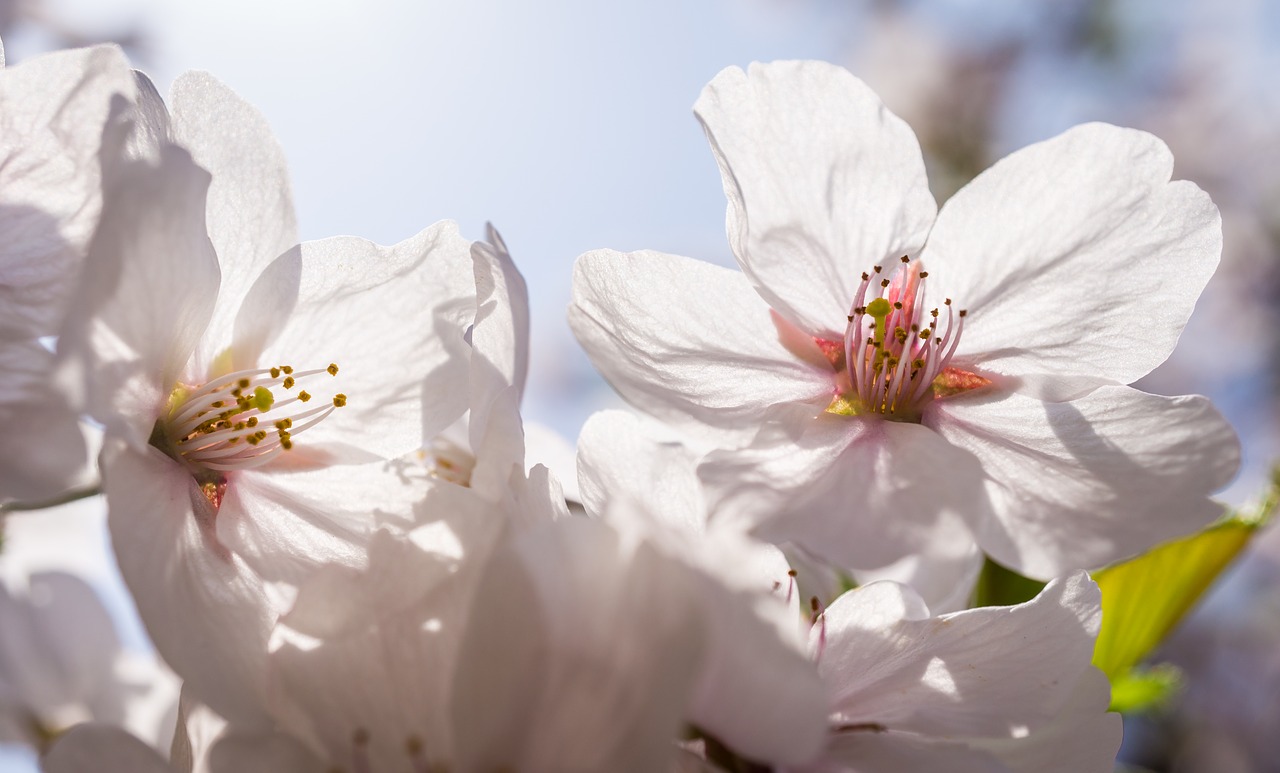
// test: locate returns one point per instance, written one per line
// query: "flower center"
(241, 420)
(895, 355)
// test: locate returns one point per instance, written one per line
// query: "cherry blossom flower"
(251, 389)
(880, 370)
(52, 112)
(995, 689)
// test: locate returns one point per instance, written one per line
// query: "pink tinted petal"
(1081, 484)
(686, 341)
(823, 183)
(250, 208)
(206, 613)
(859, 492)
(1077, 258)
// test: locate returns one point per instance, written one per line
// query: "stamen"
(893, 358)
(210, 432)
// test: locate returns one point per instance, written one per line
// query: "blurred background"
(567, 123)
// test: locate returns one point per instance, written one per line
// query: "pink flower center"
(895, 357)
(235, 422)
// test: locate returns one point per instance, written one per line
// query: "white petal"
(583, 658)
(57, 651)
(823, 183)
(52, 112)
(498, 442)
(686, 341)
(151, 127)
(943, 570)
(40, 436)
(340, 600)
(554, 451)
(147, 292)
(102, 748)
(250, 210)
(860, 492)
(500, 337)
(1077, 259)
(284, 523)
(389, 680)
(757, 692)
(988, 672)
(620, 459)
(196, 730)
(1083, 738)
(391, 318)
(207, 615)
(1081, 484)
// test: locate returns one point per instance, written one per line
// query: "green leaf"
(999, 586)
(1142, 689)
(1145, 597)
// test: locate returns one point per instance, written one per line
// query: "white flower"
(232, 370)
(996, 689)
(52, 112)
(871, 422)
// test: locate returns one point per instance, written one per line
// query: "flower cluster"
(320, 498)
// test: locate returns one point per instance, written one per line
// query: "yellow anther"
(287, 369)
(275, 373)
(286, 443)
(288, 382)
(304, 395)
(243, 383)
(252, 421)
(333, 369)
(339, 400)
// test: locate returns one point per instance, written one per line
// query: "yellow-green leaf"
(1141, 689)
(1145, 597)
